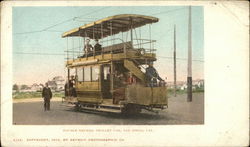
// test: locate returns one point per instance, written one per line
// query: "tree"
(24, 87)
(15, 87)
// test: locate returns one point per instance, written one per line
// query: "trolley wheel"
(131, 109)
(77, 107)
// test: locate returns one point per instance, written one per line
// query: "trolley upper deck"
(111, 26)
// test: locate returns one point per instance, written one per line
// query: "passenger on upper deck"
(97, 47)
(152, 75)
(88, 48)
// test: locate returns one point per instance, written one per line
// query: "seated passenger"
(97, 48)
(119, 87)
(152, 76)
(88, 48)
(131, 79)
(119, 80)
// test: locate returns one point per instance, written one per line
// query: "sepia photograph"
(124, 73)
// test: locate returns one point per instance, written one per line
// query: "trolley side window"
(87, 74)
(95, 73)
(106, 72)
(80, 74)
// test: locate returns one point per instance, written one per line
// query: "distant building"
(198, 83)
(57, 83)
(36, 87)
(182, 85)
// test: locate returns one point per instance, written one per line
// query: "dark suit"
(47, 95)
(88, 50)
(98, 49)
(151, 76)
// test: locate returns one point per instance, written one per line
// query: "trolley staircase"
(134, 69)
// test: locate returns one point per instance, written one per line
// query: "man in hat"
(88, 48)
(152, 75)
(97, 47)
(72, 83)
(47, 95)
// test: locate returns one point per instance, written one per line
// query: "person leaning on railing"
(152, 76)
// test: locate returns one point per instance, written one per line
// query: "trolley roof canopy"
(111, 25)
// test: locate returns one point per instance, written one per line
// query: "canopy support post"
(140, 46)
(150, 50)
(124, 47)
(111, 34)
(94, 39)
(131, 31)
(73, 49)
(102, 38)
(79, 43)
(86, 51)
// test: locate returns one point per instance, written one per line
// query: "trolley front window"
(95, 73)
(80, 74)
(106, 72)
(87, 74)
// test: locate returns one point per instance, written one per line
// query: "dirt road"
(180, 111)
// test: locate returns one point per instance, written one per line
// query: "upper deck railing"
(112, 46)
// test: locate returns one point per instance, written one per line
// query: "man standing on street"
(47, 95)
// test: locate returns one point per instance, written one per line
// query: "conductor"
(152, 75)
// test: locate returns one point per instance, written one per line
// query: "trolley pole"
(68, 70)
(174, 62)
(189, 76)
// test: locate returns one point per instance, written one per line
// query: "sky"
(38, 47)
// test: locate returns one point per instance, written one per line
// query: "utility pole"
(189, 76)
(174, 62)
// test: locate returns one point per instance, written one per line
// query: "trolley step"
(101, 109)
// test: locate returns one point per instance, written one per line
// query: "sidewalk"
(24, 100)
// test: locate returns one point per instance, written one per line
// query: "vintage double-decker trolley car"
(110, 75)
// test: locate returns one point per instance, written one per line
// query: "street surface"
(30, 112)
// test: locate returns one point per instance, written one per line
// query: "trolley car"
(112, 77)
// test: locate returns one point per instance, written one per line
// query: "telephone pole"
(174, 62)
(189, 76)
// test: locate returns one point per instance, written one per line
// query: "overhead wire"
(180, 58)
(62, 22)
(168, 11)
(29, 53)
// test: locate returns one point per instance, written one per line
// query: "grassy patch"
(22, 95)
(197, 90)
(179, 91)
